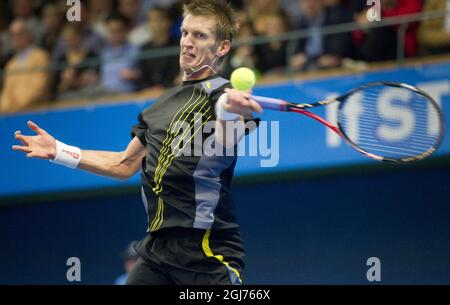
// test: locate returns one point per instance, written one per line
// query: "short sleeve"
(139, 130)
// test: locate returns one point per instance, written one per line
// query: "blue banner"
(294, 142)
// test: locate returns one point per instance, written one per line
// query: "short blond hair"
(227, 23)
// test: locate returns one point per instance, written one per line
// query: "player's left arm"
(235, 106)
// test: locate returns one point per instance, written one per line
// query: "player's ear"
(224, 48)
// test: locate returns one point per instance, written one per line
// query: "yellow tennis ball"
(242, 79)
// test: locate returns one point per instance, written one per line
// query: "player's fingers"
(31, 155)
(33, 126)
(21, 148)
(20, 137)
(236, 99)
(255, 106)
(234, 94)
(244, 102)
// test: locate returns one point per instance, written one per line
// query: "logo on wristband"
(72, 154)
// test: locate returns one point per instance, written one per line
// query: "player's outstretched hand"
(42, 145)
(241, 103)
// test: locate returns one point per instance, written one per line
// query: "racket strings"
(392, 122)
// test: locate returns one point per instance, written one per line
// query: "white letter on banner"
(436, 89)
(332, 139)
(403, 115)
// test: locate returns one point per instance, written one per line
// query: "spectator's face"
(275, 26)
(72, 39)
(158, 23)
(311, 8)
(50, 18)
(130, 8)
(117, 32)
(198, 43)
(20, 37)
(97, 7)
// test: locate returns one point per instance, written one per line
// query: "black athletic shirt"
(190, 191)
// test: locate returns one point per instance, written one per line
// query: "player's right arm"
(120, 165)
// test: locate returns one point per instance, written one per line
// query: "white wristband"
(67, 155)
(221, 113)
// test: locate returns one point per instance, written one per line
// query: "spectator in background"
(92, 41)
(26, 10)
(376, 44)
(242, 56)
(319, 51)
(4, 58)
(52, 22)
(434, 34)
(77, 75)
(257, 8)
(381, 43)
(99, 10)
(130, 257)
(159, 72)
(131, 10)
(119, 58)
(175, 13)
(25, 88)
(139, 32)
(293, 10)
(149, 4)
(271, 57)
(174, 9)
(393, 8)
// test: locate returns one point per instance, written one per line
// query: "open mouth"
(188, 55)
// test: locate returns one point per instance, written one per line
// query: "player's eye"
(200, 35)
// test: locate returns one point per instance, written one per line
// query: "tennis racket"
(386, 121)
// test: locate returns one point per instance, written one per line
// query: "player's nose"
(186, 42)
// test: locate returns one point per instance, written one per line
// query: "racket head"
(391, 122)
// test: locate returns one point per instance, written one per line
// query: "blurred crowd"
(44, 57)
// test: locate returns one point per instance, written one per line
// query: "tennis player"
(193, 236)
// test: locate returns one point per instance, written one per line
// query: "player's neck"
(198, 75)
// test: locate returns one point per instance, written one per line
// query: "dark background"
(300, 229)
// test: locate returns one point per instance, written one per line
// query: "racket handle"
(270, 103)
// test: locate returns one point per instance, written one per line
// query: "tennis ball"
(242, 79)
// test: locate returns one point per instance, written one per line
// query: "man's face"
(71, 39)
(20, 38)
(158, 23)
(117, 32)
(129, 8)
(311, 8)
(198, 42)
